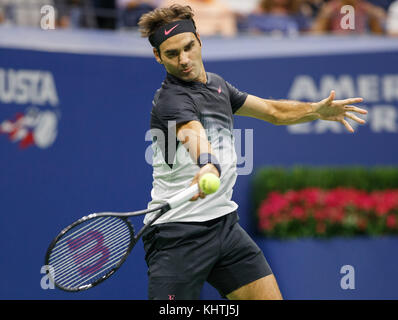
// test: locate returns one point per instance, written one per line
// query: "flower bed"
(308, 210)
(340, 211)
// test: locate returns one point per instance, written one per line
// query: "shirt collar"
(175, 80)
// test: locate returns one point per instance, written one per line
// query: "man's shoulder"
(215, 77)
(172, 100)
(170, 94)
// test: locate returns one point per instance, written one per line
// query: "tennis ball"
(209, 183)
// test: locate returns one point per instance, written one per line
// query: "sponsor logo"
(34, 127)
(28, 86)
(167, 32)
(37, 124)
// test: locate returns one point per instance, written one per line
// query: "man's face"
(181, 55)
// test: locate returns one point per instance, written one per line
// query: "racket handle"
(183, 196)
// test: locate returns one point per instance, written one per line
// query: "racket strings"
(70, 276)
(65, 272)
(62, 244)
(87, 280)
(89, 251)
(87, 255)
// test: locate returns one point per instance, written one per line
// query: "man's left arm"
(287, 112)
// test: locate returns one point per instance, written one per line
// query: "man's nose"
(184, 59)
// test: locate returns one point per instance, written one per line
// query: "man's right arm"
(194, 138)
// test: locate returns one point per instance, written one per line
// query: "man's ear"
(157, 55)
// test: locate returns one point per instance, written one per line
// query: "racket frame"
(133, 240)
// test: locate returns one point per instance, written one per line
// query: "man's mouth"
(188, 70)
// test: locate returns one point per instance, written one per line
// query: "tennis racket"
(94, 247)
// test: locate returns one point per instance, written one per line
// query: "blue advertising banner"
(74, 140)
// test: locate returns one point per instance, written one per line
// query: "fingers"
(197, 196)
(201, 195)
(350, 101)
(347, 125)
(355, 109)
(352, 117)
(331, 97)
(355, 118)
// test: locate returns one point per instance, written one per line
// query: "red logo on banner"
(34, 127)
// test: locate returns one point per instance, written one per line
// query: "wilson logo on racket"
(86, 256)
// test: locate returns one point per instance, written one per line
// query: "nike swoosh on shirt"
(166, 32)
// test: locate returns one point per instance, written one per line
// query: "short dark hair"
(151, 21)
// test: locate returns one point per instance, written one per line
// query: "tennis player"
(191, 123)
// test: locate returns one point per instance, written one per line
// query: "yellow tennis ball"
(209, 183)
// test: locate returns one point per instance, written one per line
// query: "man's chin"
(189, 77)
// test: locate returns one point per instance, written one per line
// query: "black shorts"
(181, 256)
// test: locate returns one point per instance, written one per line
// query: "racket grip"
(183, 196)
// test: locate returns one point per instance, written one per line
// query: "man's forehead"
(177, 42)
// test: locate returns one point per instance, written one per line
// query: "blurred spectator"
(70, 14)
(392, 19)
(130, 11)
(278, 17)
(105, 13)
(311, 8)
(368, 17)
(385, 4)
(243, 7)
(212, 17)
(2, 13)
(22, 12)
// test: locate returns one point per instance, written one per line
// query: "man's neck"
(203, 77)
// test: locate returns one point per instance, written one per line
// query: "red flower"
(278, 201)
(292, 196)
(382, 209)
(265, 210)
(336, 198)
(298, 213)
(385, 201)
(311, 196)
(265, 224)
(336, 214)
(273, 205)
(364, 201)
(391, 221)
(320, 214)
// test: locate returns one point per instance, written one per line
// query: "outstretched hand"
(338, 110)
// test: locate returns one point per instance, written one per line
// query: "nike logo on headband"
(167, 32)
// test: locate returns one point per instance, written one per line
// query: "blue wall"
(99, 106)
